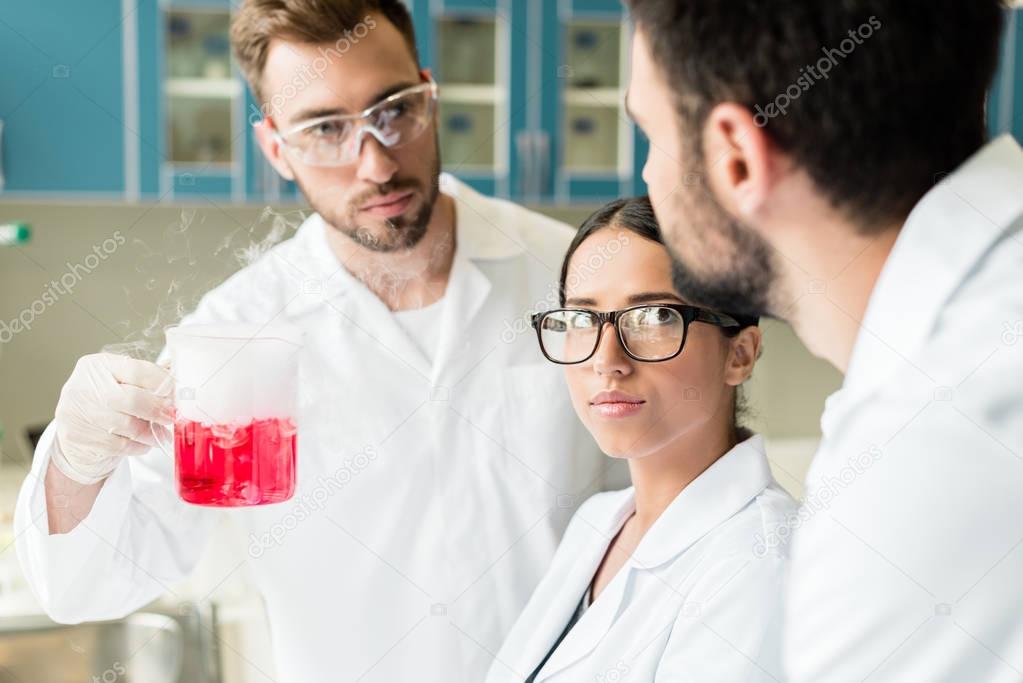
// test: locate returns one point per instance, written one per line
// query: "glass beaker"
(235, 427)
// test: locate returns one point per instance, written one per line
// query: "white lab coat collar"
(946, 234)
(321, 275)
(724, 488)
(486, 230)
(721, 491)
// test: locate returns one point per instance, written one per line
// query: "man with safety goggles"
(414, 563)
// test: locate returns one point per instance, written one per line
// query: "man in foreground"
(827, 164)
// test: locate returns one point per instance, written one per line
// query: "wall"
(133, 268)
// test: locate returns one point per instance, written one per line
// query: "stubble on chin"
(717, 262)
(378, 235)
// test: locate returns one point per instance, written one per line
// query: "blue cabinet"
(599, 153)
(193, 102)
(532, 96)
(470, 61)
(61, 97)
(127, 99)
(1005, 109)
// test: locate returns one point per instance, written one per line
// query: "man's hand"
(105, 412)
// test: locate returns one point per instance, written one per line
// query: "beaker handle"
(155, 428)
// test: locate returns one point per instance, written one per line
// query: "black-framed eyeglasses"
(650, 333)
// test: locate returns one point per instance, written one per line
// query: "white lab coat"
(907, 559)
(430, 499)
(699, 600)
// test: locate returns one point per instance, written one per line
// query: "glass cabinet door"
(202, 98)
(591, 124)
(199, 87)
(596, 146)
(470, 60)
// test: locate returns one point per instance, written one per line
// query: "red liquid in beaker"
(232, 466)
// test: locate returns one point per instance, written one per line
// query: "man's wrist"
(84, 476)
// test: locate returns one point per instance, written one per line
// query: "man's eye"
(327, 129)
(397, 110)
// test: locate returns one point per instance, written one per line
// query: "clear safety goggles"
(337, 140)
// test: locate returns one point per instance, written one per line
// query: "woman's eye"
(582, 321)
(655, 316)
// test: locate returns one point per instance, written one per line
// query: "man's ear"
(742, 356)
(427, 75)
(272, 148)
(741, 164)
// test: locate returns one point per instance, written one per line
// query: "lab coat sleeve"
(136, 541)
(729, 627)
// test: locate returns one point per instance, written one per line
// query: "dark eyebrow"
(634, 300)
(309, 114)
(654, 297)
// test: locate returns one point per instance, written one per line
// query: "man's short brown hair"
(258, 22)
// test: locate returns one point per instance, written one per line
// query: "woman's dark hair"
(636, 214)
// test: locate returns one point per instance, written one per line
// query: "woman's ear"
(742, 356)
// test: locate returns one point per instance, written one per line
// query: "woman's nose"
(610, 358)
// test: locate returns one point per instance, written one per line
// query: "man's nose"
(375, 164)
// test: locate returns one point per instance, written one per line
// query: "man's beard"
(743, 285)
(400, 233)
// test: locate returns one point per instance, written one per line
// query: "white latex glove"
(104, 413)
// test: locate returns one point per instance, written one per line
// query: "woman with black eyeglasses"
(679, 577)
